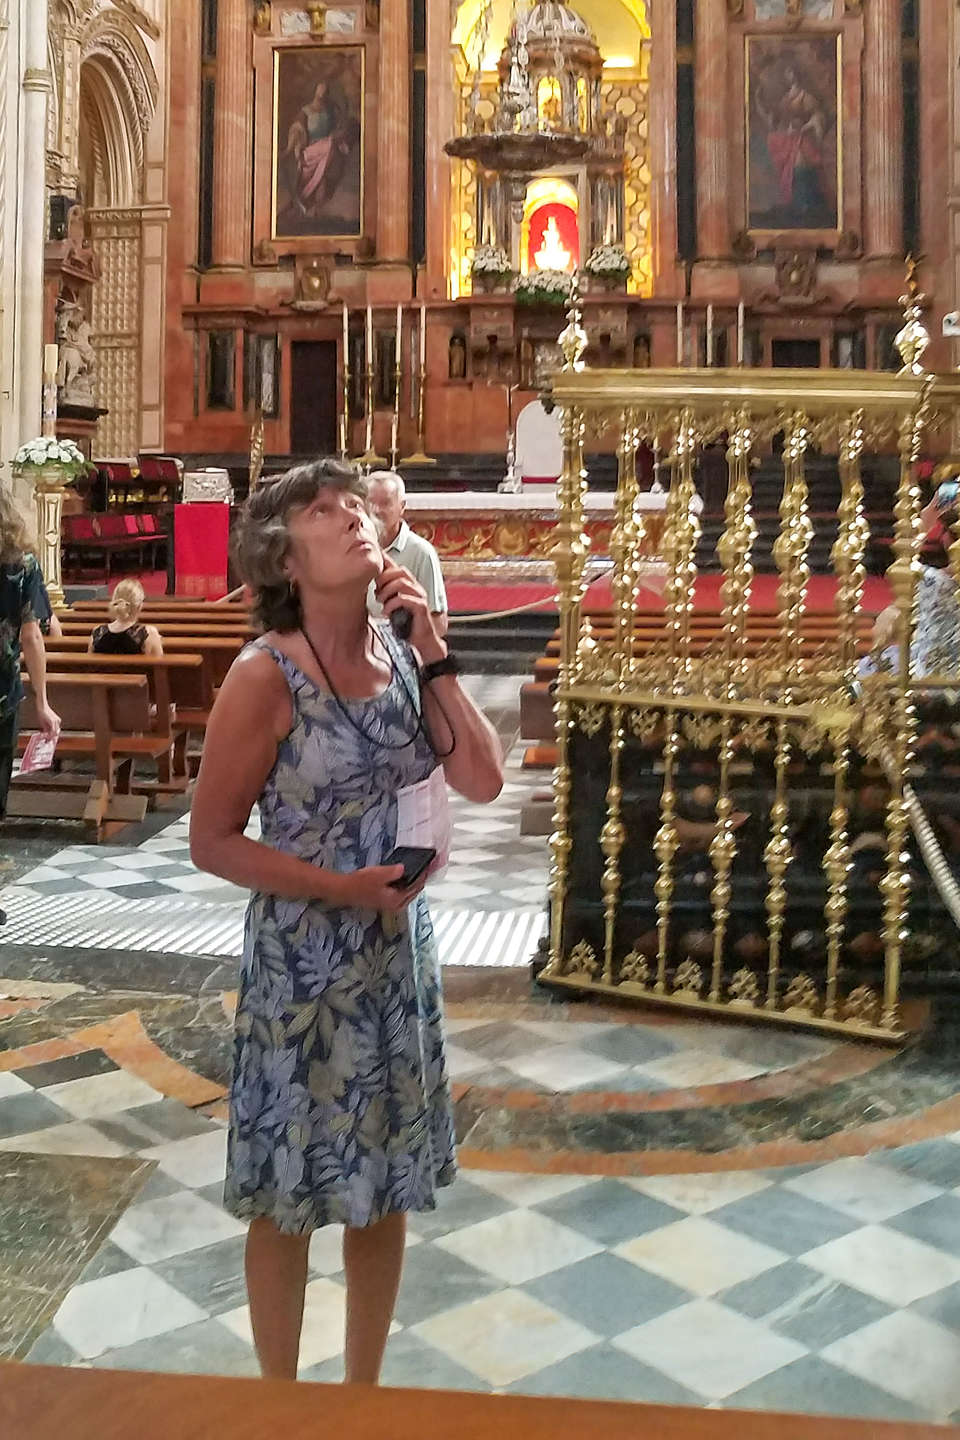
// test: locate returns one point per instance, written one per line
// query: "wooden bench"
(181, 693)
(106, 719)
(161, 617)
(218, 651)
(81, 626)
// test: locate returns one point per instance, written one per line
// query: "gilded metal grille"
(762, 727)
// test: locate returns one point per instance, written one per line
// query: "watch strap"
(449, 665)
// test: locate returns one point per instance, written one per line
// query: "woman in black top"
(124, 635)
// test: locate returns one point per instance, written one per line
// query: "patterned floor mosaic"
(833, 1287)
(650, 1208)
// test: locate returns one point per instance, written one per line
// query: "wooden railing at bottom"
(45, 1404)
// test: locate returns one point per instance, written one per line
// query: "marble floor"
(648, 1207)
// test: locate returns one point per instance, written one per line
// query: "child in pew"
(124, 634)
(21, 607)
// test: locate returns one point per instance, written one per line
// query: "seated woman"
(935, 647)
(123, 634)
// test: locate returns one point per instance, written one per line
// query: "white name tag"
(423, 817)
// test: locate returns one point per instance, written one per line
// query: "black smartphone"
(415, 859)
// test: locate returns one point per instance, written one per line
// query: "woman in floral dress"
(340, 1109)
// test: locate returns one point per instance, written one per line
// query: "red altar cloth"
(201, 536)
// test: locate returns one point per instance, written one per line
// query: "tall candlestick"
(709, 334)
(741, 331)
(51, 362)
(345, 396)
(397, 382)
(679, 332)
(421, 457)
(370, 457)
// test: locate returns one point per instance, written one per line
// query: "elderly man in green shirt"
(387, 501)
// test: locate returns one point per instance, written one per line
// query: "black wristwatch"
(449, 665)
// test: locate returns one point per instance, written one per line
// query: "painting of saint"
(318, 141)
(793, 148)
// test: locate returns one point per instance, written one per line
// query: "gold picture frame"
(318, 139)
(793, 120)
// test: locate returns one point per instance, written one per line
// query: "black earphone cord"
(422, 727)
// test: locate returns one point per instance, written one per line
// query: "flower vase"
(51, 484)
(608, 284)
(489, 282)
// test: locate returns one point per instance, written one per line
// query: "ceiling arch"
(620, 26)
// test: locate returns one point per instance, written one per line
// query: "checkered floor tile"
(833, 1288)
(488, 906)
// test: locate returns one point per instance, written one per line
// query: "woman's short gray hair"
(263, 536)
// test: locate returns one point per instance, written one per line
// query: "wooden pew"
(106, 719)
(98, 613)
(195, 627)
(218, 651)
(180, 690)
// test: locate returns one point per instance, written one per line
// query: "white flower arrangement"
(489, 260)
(543, 287)
(49, 450)
(608, 260)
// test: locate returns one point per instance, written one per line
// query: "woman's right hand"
(48, 722)
(373, 889)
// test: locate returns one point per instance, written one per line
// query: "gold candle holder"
(370, 458)
(420, 456)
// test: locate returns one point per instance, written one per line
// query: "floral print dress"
(340, 1109)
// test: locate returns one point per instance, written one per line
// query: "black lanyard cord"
(418, 710)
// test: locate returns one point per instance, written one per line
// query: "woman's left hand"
(398, 590)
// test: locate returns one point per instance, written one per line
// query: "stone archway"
(117, 103)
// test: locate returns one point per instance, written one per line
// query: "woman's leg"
(373, 1260)
(276, 1279)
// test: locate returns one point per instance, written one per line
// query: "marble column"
(662, 129)
(883, 130)
(232, 136)
(393, 152)
(712, 130)
(440, 125)
(36, 88)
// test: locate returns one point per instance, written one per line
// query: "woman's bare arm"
(250, 718)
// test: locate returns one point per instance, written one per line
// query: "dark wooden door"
(796, 354)
(313, 397)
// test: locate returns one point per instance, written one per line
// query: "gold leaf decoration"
(591, 719)
(744, 989)
(801, 995)
(635, 969)
(688, 979)
(583, 960)
(862, 1004)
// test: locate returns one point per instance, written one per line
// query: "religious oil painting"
(794, 156)
(318, 102)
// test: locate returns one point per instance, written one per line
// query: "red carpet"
(469, 599)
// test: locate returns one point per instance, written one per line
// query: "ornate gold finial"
(256, 452)
(574, 339)
(913, 341)
(318, 18)
(262, 17)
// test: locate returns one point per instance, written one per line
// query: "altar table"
(498, 537)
